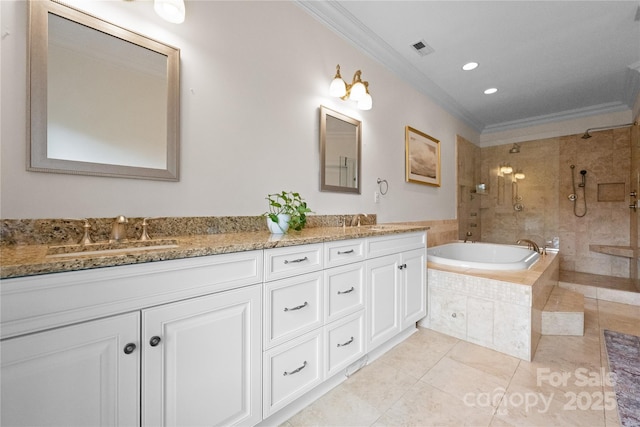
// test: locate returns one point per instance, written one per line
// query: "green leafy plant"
(290, 203)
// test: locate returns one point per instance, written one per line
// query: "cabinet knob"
(129, 348)
(154, 341)
(454, 315)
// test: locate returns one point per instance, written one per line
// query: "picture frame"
(422, 153)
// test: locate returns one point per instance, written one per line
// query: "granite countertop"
(28, 260)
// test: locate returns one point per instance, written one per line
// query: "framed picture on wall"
(422, 157)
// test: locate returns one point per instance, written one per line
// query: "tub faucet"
(355, 221)
(118, 231)
(468, 236)
(530, 244)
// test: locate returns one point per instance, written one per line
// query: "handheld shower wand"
(574, 196)
(583, 173)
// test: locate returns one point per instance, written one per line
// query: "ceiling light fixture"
(357, 91)
(470, 66)
(170, 10)
(490, 91)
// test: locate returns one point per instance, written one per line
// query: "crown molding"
(610, 107)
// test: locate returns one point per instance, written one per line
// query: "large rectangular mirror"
(103, 100)
(340, 152)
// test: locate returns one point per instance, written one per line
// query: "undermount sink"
(106, 248)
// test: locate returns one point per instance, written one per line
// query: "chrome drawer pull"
(350, 251)
(297, 308)
(347, 343)
(295, 371)
(347, 291)
(286, 261)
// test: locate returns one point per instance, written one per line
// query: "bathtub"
(483, 256)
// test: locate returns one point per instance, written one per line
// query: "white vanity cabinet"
(185, 351)
(81, 375)
(396, 282)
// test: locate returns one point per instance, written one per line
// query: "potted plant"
(286, 210)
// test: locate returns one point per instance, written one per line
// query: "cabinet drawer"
(292, 307)
(395, 243)
(343, 252)
(344, 290)
(345, 342)
(291, 370)
(292, 260)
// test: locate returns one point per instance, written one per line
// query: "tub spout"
(468, 236)
(530, 244)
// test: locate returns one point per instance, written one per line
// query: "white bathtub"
(483, 256)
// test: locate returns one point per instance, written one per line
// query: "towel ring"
(384, 182)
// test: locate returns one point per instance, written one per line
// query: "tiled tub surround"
(494, 309)
(25, 243)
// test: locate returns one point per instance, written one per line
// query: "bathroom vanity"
(237, 337)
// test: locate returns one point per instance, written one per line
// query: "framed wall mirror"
(103, 100)
(340, 152)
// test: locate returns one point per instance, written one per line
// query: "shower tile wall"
(547, 211)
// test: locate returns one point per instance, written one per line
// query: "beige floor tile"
(564, 353)
(379, 384)
(524, 407)
(419, 353)
(339, 407)
(490, 361)
(465, 382)
(622, 321)
(424, 405)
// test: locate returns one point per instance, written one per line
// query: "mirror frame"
(324, 113)
(37, 159)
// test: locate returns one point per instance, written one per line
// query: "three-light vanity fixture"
(356, 91)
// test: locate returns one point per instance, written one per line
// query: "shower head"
(587, 136)
(514, 149)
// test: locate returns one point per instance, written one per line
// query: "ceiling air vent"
(422, 48)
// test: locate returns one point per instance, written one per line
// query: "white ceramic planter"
(281, 226)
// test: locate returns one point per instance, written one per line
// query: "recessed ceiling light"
(490, 91)
(470, 66)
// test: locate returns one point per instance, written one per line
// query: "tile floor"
(432, 379)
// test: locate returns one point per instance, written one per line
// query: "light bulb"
(170, 10)
(338, 88)
(366, 102)
(357, 91)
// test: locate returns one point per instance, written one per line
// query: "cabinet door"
(206, 369)
(78, 375)
(414, 287)
(383, 293)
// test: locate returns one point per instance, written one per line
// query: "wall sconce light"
(506, 169)
(170, 10)
(519, 174)
(356, 91)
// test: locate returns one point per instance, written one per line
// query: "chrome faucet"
(118, 230)
(530, 244)
(355, 220)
